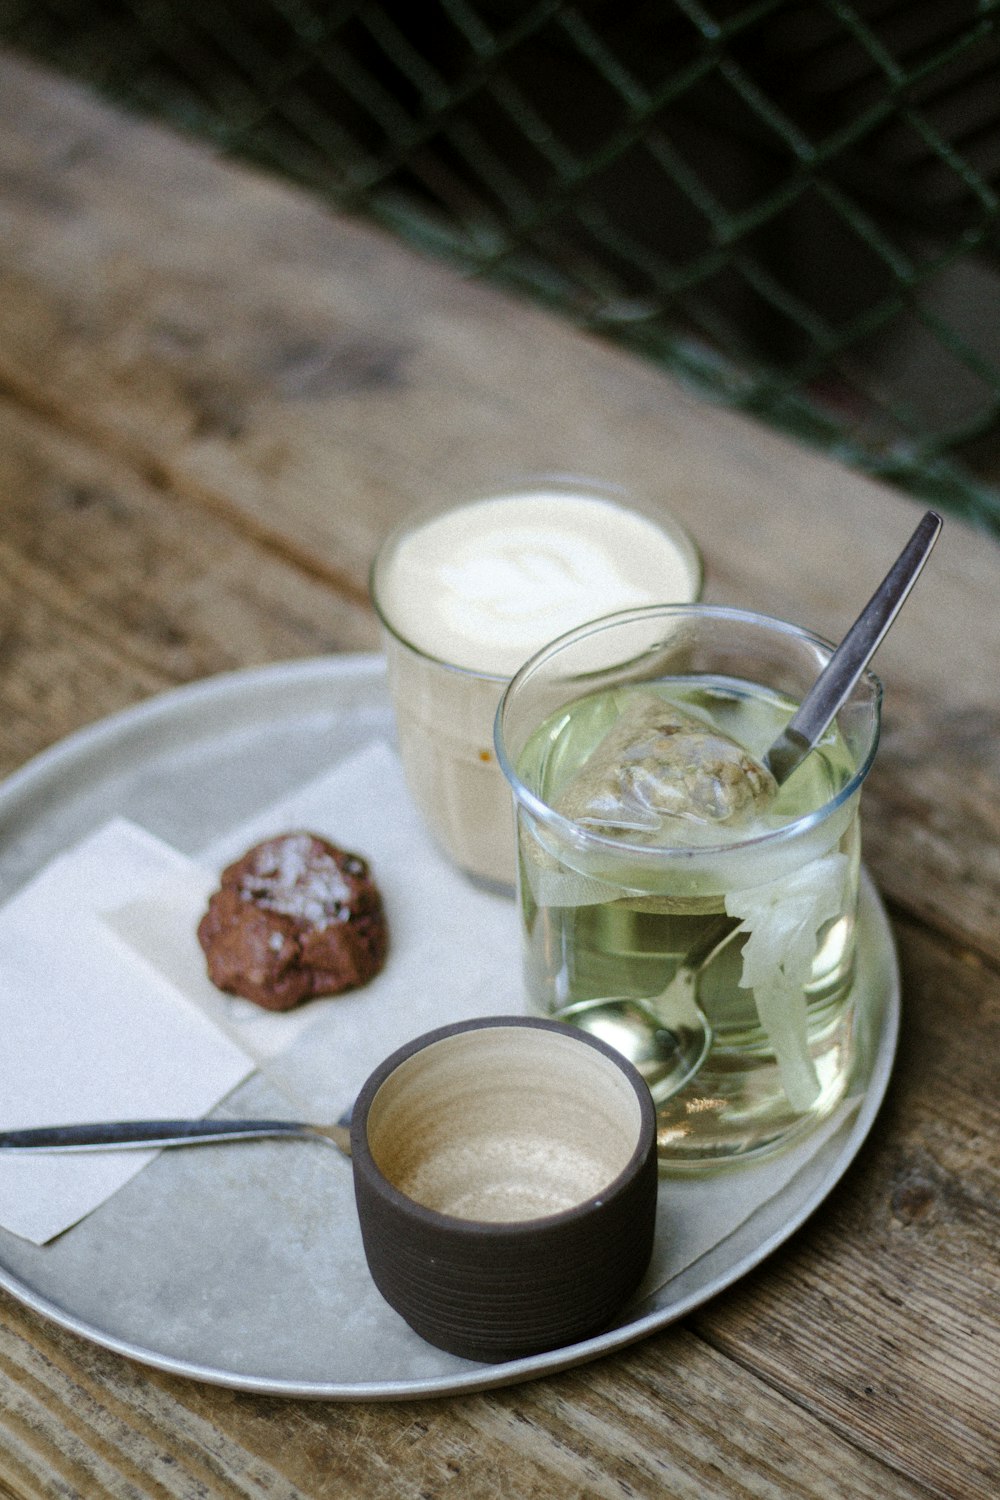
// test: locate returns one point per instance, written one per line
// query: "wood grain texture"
(104, 599)
(674, 1421)
(215, 398)
(310, 382)
(891, 1329)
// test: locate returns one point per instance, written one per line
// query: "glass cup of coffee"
(674, 900)
(465, 595)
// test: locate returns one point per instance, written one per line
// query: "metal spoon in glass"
(674, 1014)
(668, 1036)
(834, 684)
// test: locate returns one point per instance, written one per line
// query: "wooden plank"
(219, 397)
(311, 381)
(677, 1418)
(884, 1308)
(111, 590)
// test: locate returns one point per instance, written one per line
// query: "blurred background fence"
(793, 206)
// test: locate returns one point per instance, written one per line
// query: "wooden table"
(215, 397)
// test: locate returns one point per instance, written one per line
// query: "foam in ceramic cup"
(504, 1124)
(468, 594)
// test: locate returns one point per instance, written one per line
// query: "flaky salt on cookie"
(295, 918)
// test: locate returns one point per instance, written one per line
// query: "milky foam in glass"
(661, 869)
(466, 595)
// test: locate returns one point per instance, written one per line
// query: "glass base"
(736, 1109)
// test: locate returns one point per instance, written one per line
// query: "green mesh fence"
(792, 205)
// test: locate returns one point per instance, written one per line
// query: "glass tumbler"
(466, 593)
(673, 901)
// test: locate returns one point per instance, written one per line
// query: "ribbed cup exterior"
(501, 1291)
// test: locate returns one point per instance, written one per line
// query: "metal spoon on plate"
(118, 1135)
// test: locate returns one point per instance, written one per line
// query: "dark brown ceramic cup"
(505, 1175)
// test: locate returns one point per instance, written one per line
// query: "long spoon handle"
(834, 684)
(124, 1134)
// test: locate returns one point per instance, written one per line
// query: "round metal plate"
(247, 1271)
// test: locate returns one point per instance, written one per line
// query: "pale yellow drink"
(675, 900)
(468, 594)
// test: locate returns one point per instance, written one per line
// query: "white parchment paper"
(90, 1033)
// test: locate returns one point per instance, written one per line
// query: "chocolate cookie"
(294, 918)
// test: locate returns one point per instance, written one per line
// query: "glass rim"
(513, 487)
(644, 854)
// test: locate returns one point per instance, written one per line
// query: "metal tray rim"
(366, 672)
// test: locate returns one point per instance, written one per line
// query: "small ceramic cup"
(506, 1179)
